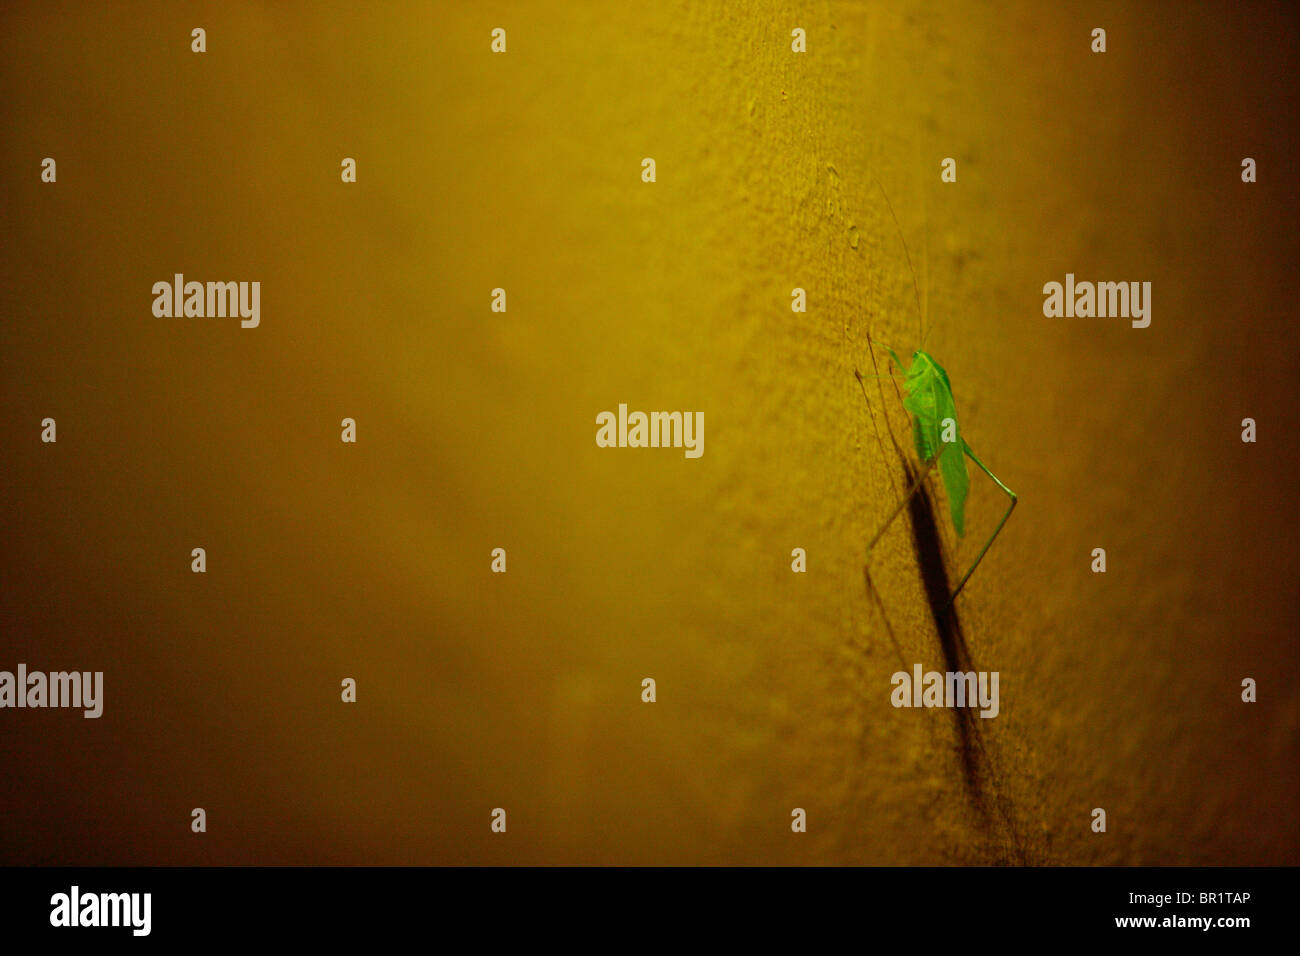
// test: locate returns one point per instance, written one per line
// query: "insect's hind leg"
(996, 531)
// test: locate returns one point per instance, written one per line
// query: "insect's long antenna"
(920, 314)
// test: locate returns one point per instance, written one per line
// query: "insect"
(930, 403)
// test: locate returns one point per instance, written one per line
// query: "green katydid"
(934, 427)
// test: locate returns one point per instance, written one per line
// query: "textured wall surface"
(475, 431)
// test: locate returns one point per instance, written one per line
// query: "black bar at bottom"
(668, 905)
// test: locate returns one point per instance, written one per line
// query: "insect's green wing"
(922, 401)
(929, 399)
(952, 465)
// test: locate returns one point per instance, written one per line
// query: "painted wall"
(475, 431)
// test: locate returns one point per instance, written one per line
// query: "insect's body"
(934, 430)
(934, 424)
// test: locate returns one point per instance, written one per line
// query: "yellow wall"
(476, 431)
